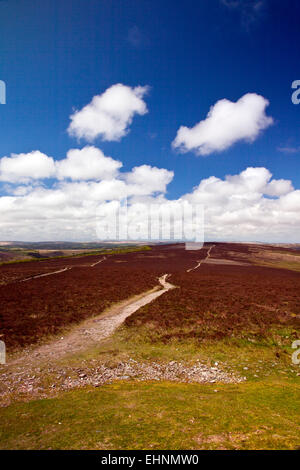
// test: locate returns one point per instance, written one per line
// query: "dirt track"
(21, 374)
(61, 270)
(24, 376)
(46, 274)
(201, 261)
(97, 262)
(93, 330)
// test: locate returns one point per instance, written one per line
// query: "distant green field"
(22, 255)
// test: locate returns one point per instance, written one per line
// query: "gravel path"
(67, 268)
(97, 262)
(46, 274)
(36, 372)
(93, 330)
(201, 261)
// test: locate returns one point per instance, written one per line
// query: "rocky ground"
(40, 383)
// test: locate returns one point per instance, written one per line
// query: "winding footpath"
(67, 268)
(201, 261)
(97, 262)
(93, 330)
(46, 274)
(43, 371)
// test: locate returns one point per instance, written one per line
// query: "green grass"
(255, 358)
(260, 413)
(105, 251)
(158, 416)
(290, 265)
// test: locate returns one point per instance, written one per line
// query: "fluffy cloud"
(278, 187)
(68, 209)
(109, 115)
(88, 163)
(145, 179)
(226, 123)
(249, 186)
(238, 207)
(25, 167)
(247, 206)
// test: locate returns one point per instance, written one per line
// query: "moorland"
(206, 365)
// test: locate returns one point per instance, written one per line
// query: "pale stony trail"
(66, 268)
(24, 373)
(93, 330)
(201, 261)
(46, 274)
(38, 372)
(97, 262)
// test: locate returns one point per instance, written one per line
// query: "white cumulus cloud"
(238, 207)
(145, 179)
(247, 206)
(110, 114)
(278, 187)
(226, 123)
(25, 167)
(88, 163)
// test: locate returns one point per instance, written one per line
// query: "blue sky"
(57, 55)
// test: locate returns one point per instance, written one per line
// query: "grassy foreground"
(158, 416)
(261, 413)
